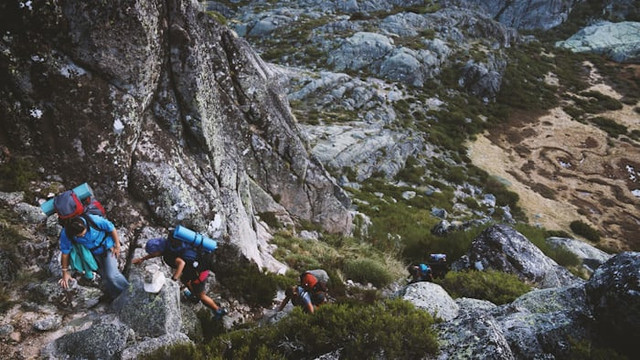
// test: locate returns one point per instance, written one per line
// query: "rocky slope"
(184, 122)
(182, 117)
(372, 84)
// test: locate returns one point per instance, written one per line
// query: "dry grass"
(590, 175)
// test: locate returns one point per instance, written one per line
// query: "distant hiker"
(420, 272)
(315, 283)
(100, 237)
(298, 297)
(188, 265)
(439, 265)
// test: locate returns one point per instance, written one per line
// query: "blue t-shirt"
(303, 299)
(424, 271)
(92, 238)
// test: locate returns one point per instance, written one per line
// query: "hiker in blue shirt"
(99, 235)
(298, 297)
(420, 272)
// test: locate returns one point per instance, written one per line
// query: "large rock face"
(502, 248)
(108, 337)
(618, 41)
(432, 298)
(614, 293)
(156, 100)
(473, 334)
(523, 15)
(590, 256)
(541, 324)
(545, 322)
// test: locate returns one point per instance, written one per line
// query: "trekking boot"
(187, 293)
(218, 314)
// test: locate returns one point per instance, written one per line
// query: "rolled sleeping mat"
(82, 191)
(197, 240)
(437, 257)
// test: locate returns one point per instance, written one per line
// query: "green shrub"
(495, 286)
(394, 328)
(243, 279)
(357, 258)
(583, 229)
(367, 271)
(603, 101)
(454, 244)
(573, 111)
(456, 175)
(609, 126)
(523, 85)
(412, 172)
(504, 197)
(270, 219)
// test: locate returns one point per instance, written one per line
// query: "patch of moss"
(219, 18)
(16, 174)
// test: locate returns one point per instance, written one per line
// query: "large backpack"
(315, 282)
(68, 206)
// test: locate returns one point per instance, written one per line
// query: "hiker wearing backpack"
(298, 297)
(315, 283)
(420, 272)
(439, 265)
(100, 237)
(188, 265)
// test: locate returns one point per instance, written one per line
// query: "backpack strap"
(92, 224)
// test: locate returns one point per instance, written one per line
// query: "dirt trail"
(564, 170)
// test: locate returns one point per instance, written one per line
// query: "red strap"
(202, 277)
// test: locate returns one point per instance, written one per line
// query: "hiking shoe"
(218, 314)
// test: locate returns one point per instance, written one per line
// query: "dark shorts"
(196, 289)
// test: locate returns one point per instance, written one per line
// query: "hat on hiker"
(153, 279)
(155, 245)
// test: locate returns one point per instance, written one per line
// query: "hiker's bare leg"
(207, 301)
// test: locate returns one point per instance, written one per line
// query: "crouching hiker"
(298, 297)
(315, 283)
(100, 237)
(420, 272)
(187, 265)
